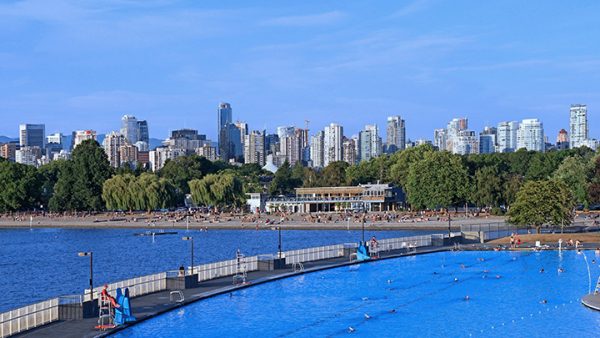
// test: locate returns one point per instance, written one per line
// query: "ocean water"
(419, 296)
(42, 263)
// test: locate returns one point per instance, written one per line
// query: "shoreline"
(142, 224)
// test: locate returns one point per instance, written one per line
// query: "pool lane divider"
(263, 280)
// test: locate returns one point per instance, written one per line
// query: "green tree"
(334, 174)
(220, 190)
(512, 185)
(541, 203)
(118, 193)
(48, 175)
(440, 180)
(575, 172)
(594, 186)
(487, 190)
(19, 187)
(283, 183)
(361, 173)
(186, 168)
(401, 161)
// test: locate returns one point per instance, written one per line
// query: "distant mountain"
(155, 142)
(6, 139)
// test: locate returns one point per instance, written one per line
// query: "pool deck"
(592, 301)
(151, 305)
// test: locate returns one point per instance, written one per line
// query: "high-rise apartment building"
(454, 127)
(285, 131)
(32, 135)
(8, 151)
(291, 147)
(487, 140)
(396, 134)
(207, 151)
(369, 143)
(562, 140)
(128, 155)
(254, 148)
(332, 144)
(54, 144)
(159, 156)
(243, 127)
(530, 135)
(440, 139)
(506, 137)
(317, 148)
(82, 135)
(129, 128)
(28, 155)
(112, 144)
(465, 142)
(578, 124)
(350, 151)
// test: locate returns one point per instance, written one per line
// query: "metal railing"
(314, 254)
(225, 268)
(403, 243)
(138, 286)
(28, 317)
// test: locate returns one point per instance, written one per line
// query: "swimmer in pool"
(543, 301)
(542, 270)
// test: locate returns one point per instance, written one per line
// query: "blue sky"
(83, 64)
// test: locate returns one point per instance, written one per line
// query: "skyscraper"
(349, 151)
(369, 143)
(396, 134)
(452, 130)
(254, 148)
(143, 133)
(487, 140)
(317, 149)
(530, 135)
(506, 137)
(112, 144)
(82, 135)
(224, 132)
(440, 139)
(129, 128)
(578, 124)
(230, 142)
(332, 144)
(562, 140)
(32, 135)
(465, 142)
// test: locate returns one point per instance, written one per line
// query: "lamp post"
(190, 238)
(363, 224)
(279, 244)
(91, 255)
(449, 223)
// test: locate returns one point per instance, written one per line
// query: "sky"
(82, 64)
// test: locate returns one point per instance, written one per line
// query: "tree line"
(431, 180)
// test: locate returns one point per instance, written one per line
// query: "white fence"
(403, 243)
(225, 268)
(138, 286)
(314, 254)
(28, 317)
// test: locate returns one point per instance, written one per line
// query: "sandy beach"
(247, 222)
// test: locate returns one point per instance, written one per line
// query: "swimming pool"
(411, 296)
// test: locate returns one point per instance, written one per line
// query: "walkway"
(148, 306)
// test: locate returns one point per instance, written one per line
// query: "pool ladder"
(597, 289)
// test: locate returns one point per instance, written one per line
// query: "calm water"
(42, 263)
(424, 304)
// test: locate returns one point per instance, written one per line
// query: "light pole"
(363, 225)
(91, 254)
(279, 245)
(190, 238)
(449, 223)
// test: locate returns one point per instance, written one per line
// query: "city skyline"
(170, 61)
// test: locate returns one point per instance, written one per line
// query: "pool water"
(414, 296)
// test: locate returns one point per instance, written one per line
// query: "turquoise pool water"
(418, 296)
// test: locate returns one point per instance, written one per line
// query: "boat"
(154, 233)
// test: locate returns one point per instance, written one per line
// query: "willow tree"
(220, 190)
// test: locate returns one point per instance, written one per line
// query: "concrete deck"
(151, 305)
(592, 301)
